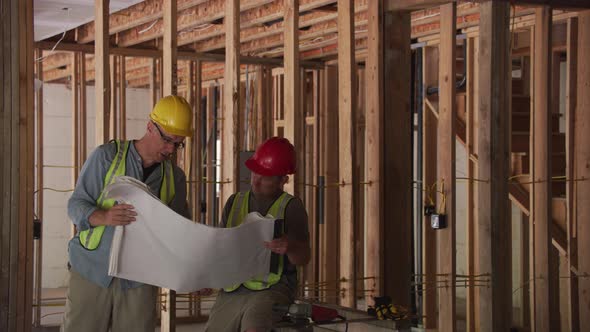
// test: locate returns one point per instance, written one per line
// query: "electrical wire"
(63, 35)
(148, 28)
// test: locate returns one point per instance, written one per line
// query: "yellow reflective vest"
(90, 238)
(238, 212)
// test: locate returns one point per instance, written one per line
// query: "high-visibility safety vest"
(238, 212)
(90, 238)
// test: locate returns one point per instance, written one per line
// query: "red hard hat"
(275, 156)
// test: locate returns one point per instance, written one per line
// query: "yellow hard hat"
(174, 115)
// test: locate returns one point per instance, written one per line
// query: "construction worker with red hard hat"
(95, 300)
(249, 306)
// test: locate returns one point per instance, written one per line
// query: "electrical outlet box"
(438, 221)
(37, 226)
(429, 210)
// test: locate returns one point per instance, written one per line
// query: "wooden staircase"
(519, 188)
(520, 164)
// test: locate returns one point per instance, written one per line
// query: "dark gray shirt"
(295, 225)
(93, 264)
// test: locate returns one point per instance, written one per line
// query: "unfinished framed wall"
(351, 119)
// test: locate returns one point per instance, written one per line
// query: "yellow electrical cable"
(473, 179)
(59, 166)
(53, 189)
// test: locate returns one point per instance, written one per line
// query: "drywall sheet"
(164, 249)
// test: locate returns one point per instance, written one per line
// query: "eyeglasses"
(168, 140)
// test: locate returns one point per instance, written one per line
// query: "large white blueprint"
(164, 249)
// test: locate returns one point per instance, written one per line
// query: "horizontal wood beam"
(253, 41)
(192, 18)
(421, 4)
(144, 12)
(182, 55)
(557, 4)
(308, 38)
(253, 13)
(259, 24)
(413, 4)
(214, 34)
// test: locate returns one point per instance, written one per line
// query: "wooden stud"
(122, 99)
(197, 139)
(264, 106)
(347, 124)
(308, 193)
(270, 101)
(192, 186)
(275, 101)
(525, 268)
(446, 171)
(101, 69)
(570, 108)
(544, 308)
(581, 171)
(191, 153)
(168, 76)
(398, 126)
(531, 230)
(75, 118)
(360, 176)
(153, 81)
(231, 103)
(329, 222)
(211, 159)
(114, 112)
(429, 171)
(242, 114)
(169, 46)
(374, 163)
(39, 196)
(252, 110)
(16, 167)
(470, 136)
(493, 231)
(278, 112)
(82, 131)
(160, 79)
(292, 90)
(26, 158)
(77, 161)
(315, 86)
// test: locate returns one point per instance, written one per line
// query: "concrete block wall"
(57, 151)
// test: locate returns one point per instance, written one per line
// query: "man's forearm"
(299, 253)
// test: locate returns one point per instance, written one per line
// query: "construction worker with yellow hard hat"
(249, 306)
(95, 300)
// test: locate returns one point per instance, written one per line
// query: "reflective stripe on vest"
(90, 238)
(238, 212)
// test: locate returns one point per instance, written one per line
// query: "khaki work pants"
(91, 308)
(244, 309)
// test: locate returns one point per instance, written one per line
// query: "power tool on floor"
(385, 310)
(299, 312)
